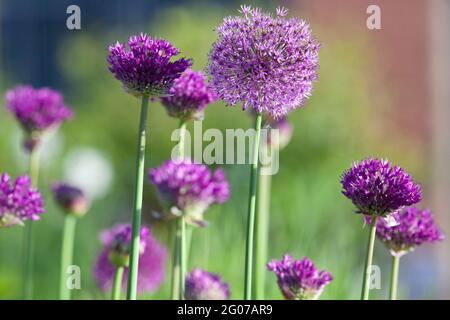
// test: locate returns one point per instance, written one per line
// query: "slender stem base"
(28, 243)
(117, 284)
(176, 261)
(262, 235)
(138, 190)
(368, 265)
(251, 211)
(394, 277)
(183, 257)
(66, 255)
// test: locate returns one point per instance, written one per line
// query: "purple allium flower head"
(202, 285)
(377, 188)
(19, 201)
(116, 250)
(415, 227)
(146, 67)
(267, 63)
(37, 110)
(284, 135)
(299, 280)
(189, 188)
(189, 96)
(70, 198)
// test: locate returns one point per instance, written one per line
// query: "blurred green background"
(309, 216)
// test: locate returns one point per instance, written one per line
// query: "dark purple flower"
(189, 96)
(202, 285)
(282, 137)
(70, 198)
(299, 280)
(266, 63)
(377, 188)
(189, 188)
(414, 227)
(37, 110)
(19, 201)
(145, 68)
(116, 250)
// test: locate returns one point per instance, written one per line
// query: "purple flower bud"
(267, 63)
(146, 67)
(37, 110)
(71, 199)
(377, 188)
(116, 251)
(189, 96)
(414, 227)
(202, 285)
(299, 280)
(284, 135)
(19, 201)
(189, 188)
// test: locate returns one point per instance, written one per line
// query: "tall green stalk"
(251, 211)
(176, 261)
(137, 206)
(117, 283)
(394, 277)
(28, 248)
(66, 254)
(262, 235)
(368, 265)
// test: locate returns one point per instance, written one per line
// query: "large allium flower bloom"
(71, 199)
(19, 201)
(37, 110)
(189, 96)
(116, 250)
(202, 285)
(189, 188)
(267, 63)
(377, 188)
(146, 67)
(299, 280)
(415, 227)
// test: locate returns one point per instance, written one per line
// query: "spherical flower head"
(202, 285)
(116, 250)
(189, 96)
(414, 227)
(19, 201)
(71, 199)
(189, 188)
(145, 67)
(299, 280)
(377, 188)
(37, 110)
(266, 63)
(280, 139)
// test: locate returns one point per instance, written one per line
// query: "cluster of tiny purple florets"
(299, 279)
(189, 187)
(146, 67)
(266, 63)
(202, 285)
(377, 188)
(189, 96)
(117, 243)
(37, 109)
(19, 201)
(414, 227)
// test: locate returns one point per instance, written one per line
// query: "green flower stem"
(28, 248)
(262, 235)
(251, 211)
(368, 266)
(68, 236)
(176, 261)
(117, 284)
(394, 277)
(137, 206)
(183, 257)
